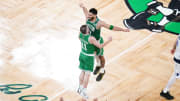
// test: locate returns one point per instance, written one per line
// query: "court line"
(138, 44)
(61, 92)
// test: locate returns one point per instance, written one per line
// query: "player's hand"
(172, 51)
(110, 38)
(126, 30)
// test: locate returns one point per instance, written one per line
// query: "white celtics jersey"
(177, 52)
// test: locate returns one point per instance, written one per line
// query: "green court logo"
(17, 88)
(33, 98)
(13, 88)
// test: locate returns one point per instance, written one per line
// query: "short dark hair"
(93, 11)
(83, 29)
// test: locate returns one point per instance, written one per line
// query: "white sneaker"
(84, 95)
(79, 90)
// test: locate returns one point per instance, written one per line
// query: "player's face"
(91, 16)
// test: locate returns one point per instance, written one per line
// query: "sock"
(98, 64)
(80, 87)
(165, 11)
(84, 90)
(102, 70)
(163, 21)
(98, 61)
(170, 82)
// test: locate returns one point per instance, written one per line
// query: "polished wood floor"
(139, 63)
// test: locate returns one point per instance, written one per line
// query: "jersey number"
(83, 45)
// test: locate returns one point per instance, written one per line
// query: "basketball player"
(86, 58)
(95, 25)
(176, 74)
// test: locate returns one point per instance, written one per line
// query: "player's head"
(92, 13)
(84, 29)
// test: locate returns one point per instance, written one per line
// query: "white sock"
(170, 82)
(80, 88)
(165, 11)
(84, 90)
(102, 70)
(163, 21)
(98, 61)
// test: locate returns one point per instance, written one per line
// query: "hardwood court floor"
(39, 47)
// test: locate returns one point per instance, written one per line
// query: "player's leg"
(89, 64)
(102, 70)
(81, 80)
(98, 65)
(81, 77)
(165, 92)
(85, 84)
(176, 75)
(86, 79)
(99, 52)
(82, 64)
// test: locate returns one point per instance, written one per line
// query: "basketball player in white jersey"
(176, 74)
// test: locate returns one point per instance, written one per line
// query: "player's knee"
(177, 74)
(87, 73)
(80, 78)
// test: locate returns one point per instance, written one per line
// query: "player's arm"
(111, 27)
(174, 47)
(93, 41)
(85, 10)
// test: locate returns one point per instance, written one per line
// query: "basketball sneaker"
(79, 90)
(100, 76)
(84, 95)
(96, 70)
(167, 95)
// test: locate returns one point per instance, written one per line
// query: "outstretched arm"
(93, 41)
(85, 10)
(111, 27)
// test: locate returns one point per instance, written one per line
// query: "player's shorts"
(86, 62)
(100, 52)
